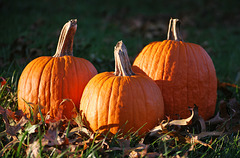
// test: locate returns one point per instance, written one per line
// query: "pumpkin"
(121, 101)
(47, 80)
(183, 71)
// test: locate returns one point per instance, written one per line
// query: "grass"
(213, 25)
(224, 146)
(30, 29)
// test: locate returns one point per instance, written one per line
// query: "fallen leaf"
(123, 143)
(194, 140)
(152, 155)
(31, 128)
(52, 135)
(78, 120)
(2, 81)
(182, 122)
(221, 116)
(12, 130)
(9, 146)
(205, 134)
(234, 106)
(140, 150)
(223, 86)
(198, 121)
(134, 154)
(33, 149)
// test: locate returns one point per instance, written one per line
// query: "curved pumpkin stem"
(174, 30)
(122, 63)
(65, 42)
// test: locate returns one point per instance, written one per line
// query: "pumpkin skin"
(185, 74)
(48, 80)
(110, 100)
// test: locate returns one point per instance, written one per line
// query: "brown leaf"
(152, 155)
(79, 133)
(194, 141)
(197, 121)
(78, 120)
(234, 105)
(182, 122)
(18, 115)
(139, 151)
(52, 135)
(221, 116)
(50, 149)
(6, 112)
(12, 130)
(225, 84)
(142, 149)
(134, 154)
(228, 115)
(123, 143)
(33, 150)
(9, 146)
(58, 117)
(205, 134)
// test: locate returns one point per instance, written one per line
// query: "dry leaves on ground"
(63, 137)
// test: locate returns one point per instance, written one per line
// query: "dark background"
(30, 29)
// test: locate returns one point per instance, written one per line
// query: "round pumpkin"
(47, 81)
(121, 101)
(183, 71)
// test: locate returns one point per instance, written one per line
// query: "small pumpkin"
(121, 100)
(184, 72)
(48, 80)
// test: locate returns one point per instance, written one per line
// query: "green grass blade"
(20, 143)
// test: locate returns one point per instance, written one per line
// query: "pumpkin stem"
(65, 42)
(174, 30)
(122, 63)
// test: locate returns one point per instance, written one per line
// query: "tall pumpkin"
(184, 72)
(112, 99)
(48, 80)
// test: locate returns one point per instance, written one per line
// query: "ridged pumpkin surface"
(47, 81)
(52, 79)
(109, 101)
(185, 74)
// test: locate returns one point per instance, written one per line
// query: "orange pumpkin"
(112, 99)
(184, 72)
(48, 80)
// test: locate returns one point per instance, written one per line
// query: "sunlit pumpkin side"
(183, 71)
(121, 101)
(47, 80)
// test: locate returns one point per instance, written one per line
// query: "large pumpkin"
(121, 100)
(184, 72)
(48, 80)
